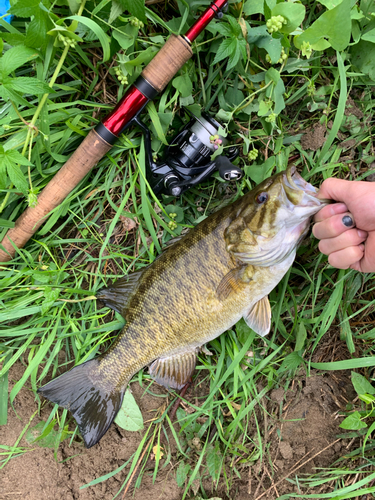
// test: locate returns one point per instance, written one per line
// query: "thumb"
(334, 189)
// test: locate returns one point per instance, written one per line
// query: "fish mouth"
(294, 184)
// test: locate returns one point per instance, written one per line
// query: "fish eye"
(261, 198)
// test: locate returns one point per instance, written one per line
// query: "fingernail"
(361, 234)
(347, 221)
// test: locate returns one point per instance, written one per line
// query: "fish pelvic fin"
(90, 400)
(117, 295)
(174, 371)
(259, 317)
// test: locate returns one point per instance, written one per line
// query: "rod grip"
(170, 58)
(90, 151)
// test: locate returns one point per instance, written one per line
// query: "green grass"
(48, 316)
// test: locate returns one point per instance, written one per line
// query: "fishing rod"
(187, 161)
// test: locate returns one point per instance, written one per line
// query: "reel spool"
(187, 161)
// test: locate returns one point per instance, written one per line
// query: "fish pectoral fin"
(259, 317)
(116, 296)
(234, 281)
(174, 371)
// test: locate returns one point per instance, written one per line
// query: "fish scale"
(199, 287)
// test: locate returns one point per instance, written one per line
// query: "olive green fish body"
(175, 306)
(196, 289)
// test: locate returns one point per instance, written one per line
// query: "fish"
(200, 286)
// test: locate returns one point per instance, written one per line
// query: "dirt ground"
(301, 432)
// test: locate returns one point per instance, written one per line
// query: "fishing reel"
(187, 161)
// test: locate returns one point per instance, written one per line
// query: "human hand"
(347, 229)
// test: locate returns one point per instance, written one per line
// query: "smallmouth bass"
(205, 282)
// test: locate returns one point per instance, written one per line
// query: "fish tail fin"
(93, 403)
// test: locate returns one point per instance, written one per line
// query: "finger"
(367, 263)
(330, 210)
(334, 226)
(334, 189)
(349, 238)
(343, 259)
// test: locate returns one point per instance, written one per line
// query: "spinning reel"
(187, 161)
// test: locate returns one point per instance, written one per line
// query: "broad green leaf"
(234, 96)
(182, 473)
(135, 7)
(103, 38)
(361, 384)
(36, 34)
(353, 422)
(129, 417)
(51, 295)
(74, 6)
(278, 96)
(272, 75)
(224, 116)
(24, 8)
(14, 38)
(30, 86)
(367, 398)
(243, 331)
(46, 438)
(330, 4)
(369, 36)
(183, 84)
(16, 176)
(291, 362)
(258, 173)
(333, 25)
(16, 157)
(363, 57)
(240, 49)
(224, 29)
(226, 48)
(144, 57)
(16, 57)
(175, 209)
(294, 13)
(125, 35)
(234, 25)
(260, 37)
(253, 7)
(214, 460)
(264, 107)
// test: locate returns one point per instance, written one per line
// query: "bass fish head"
(273, 219)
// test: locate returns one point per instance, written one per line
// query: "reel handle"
(227, 170)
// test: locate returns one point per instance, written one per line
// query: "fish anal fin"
(173, 371)
(259, 317)
(234, 281)
(92, 402)
(117, 295)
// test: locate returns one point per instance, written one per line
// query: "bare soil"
(301, 431)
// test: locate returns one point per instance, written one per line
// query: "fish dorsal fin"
(174, 371)
(259, 317)
(116, 296)
(234, 281)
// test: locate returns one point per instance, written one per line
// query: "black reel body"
(187, 161)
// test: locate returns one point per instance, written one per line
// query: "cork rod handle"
(171, 57)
